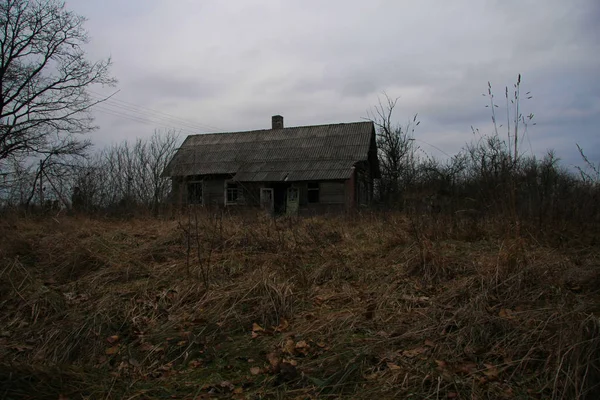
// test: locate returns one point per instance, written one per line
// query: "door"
(292, 201)
(267, 199)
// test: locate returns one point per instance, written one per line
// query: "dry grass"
(246, 307)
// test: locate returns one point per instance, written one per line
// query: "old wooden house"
(296, 170)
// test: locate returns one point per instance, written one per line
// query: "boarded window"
(194, 192)
(232, 193)
(313, 192)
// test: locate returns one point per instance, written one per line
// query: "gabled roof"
(288, 154)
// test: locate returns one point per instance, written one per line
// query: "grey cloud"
(234, 64)
(167, 86)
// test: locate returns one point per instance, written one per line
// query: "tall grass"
(370, 305)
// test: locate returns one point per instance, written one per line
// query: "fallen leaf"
(393, 367)
(289, 346)
(112, 339)
(112, 350)
(273, 359)
(302, 347)
(372, 376)
(441, 364)
(227, 384)
(414, 352)
(468, 368)
(257, 328)
(255, 370)
(491, 372)
(238, 390)
(422, 299)
(506, 313)
(429, 343)
(146, 347)
(283, 325)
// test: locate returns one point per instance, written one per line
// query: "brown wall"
(335, 196)
(332, 192)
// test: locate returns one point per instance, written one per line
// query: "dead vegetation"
(245, 307)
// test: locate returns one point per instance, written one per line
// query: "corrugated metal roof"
(289, 154)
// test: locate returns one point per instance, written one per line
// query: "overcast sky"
(230, 65)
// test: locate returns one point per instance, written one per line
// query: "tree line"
(46, 162)
(490, 176)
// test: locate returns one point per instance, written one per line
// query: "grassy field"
(380, 305)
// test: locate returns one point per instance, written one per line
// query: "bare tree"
(162, 147)
(590, 173)
(44, 76)
(396, 149)
(127, 176)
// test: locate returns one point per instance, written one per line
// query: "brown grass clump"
(248, 307)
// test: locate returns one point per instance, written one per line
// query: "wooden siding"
(332, 193)
(251, 192)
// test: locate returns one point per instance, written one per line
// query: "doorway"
(267, 200)
(280, 190)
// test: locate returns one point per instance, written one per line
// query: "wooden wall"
(332, 192)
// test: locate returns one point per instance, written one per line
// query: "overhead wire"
(111, 98)
(159, 114)
(142, 120)
(145, 116)
(153, 115)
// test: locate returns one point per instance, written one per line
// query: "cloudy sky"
(212, 65)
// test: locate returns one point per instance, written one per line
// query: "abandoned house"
(297, 170)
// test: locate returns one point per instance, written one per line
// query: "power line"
(171, 120)
(429, 144)
(145, 115)
(146, 109)
(141, 120)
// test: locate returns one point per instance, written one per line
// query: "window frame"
(296, 191)
(311, 191)
(196, 184)
(237, 193)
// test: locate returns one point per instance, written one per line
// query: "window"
(232, 193)
(313, 192)
(293, 194)
(194, 192)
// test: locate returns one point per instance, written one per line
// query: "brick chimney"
(277, 122)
